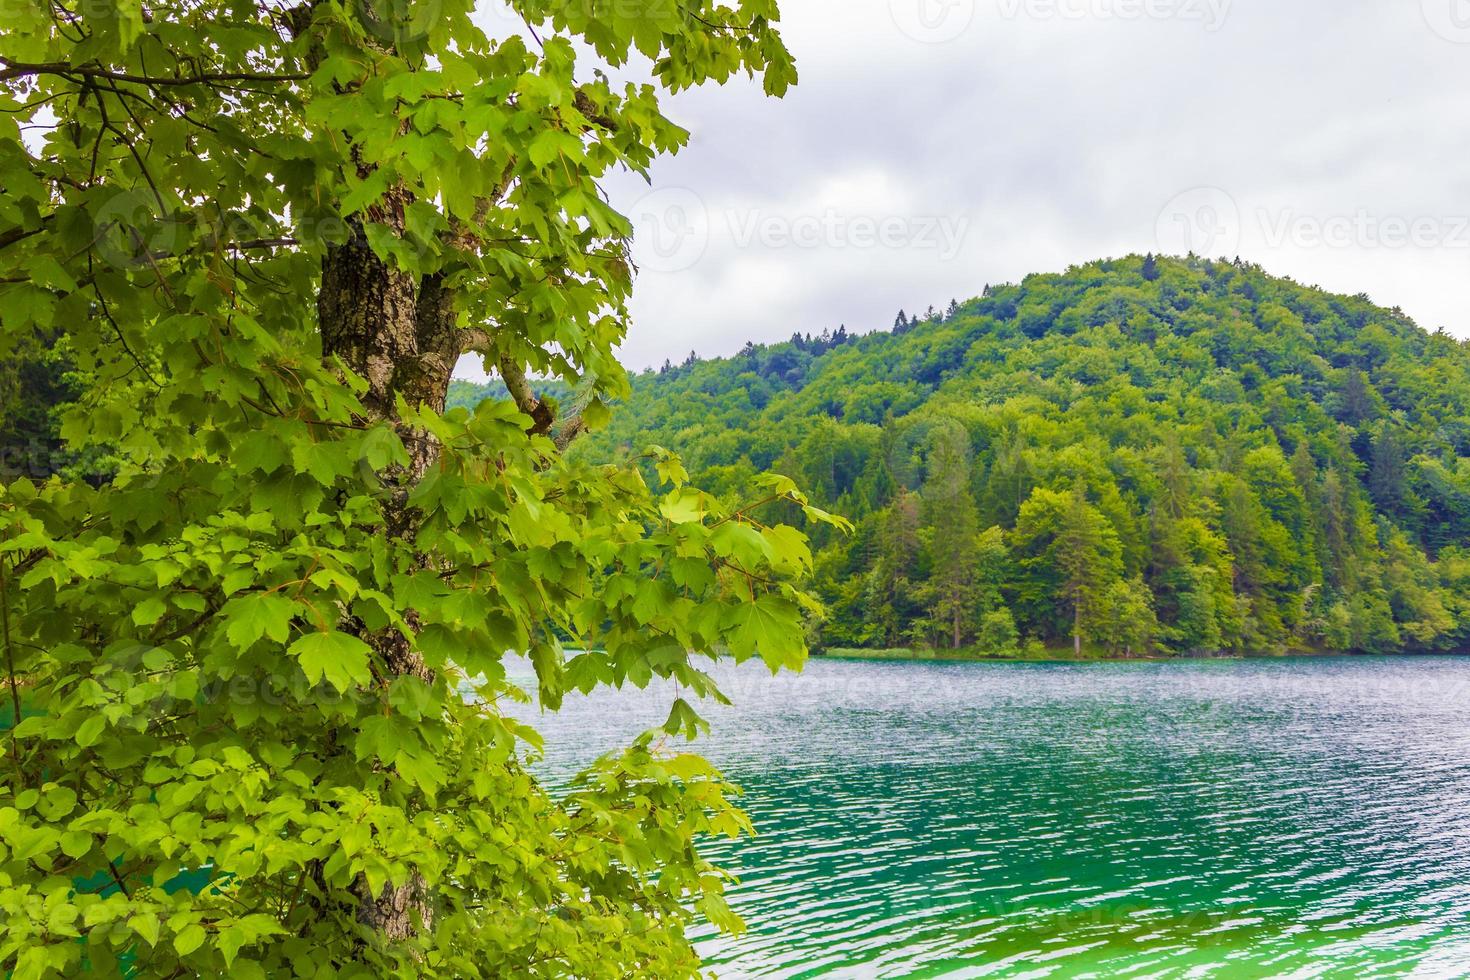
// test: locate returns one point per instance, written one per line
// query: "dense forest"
(1140, 455)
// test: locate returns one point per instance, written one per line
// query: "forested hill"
(1161, 455)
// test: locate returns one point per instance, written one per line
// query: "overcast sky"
(934, 146)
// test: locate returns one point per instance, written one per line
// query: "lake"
(1233, 818)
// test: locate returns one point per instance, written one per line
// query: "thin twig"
(10, 666)
(15, 69)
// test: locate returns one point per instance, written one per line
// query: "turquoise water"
(1299, 817)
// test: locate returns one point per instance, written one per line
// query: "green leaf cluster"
(258, 671)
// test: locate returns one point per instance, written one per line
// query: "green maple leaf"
(339, 657)
(250, 617)
(771, 627)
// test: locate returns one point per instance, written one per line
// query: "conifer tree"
(899, 549)
(949, 512)
(1386, 472)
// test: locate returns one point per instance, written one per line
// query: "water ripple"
(1274, 818)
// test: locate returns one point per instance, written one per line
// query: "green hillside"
(1157, 455)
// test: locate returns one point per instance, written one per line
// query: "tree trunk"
(397, 331)
(956, 628)
(1077, 629)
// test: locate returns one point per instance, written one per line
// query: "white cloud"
(1054, 132)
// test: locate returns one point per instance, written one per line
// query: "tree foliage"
(261, 666)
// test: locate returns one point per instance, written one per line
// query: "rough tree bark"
(396, 331)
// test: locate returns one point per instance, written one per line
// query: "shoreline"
(1065, 656)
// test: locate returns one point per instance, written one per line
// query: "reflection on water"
(1304, 817)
